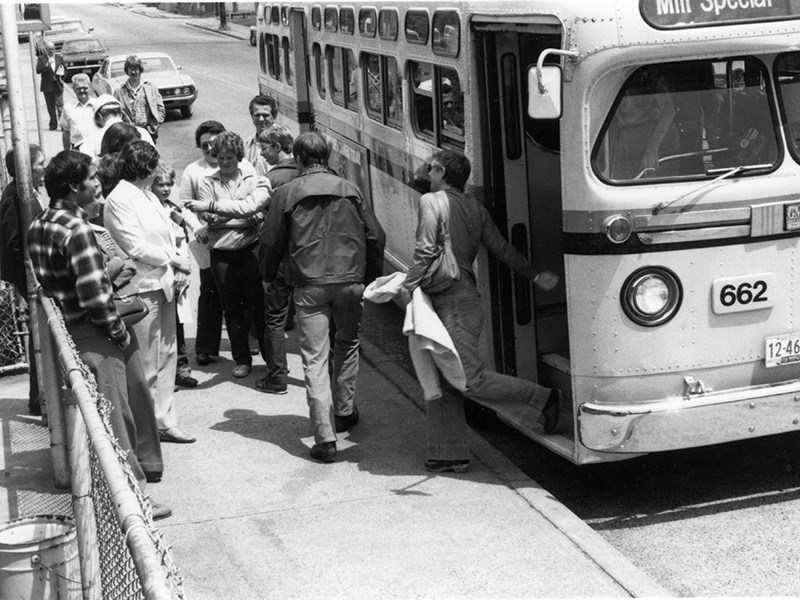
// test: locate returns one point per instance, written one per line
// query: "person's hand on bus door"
(546, 280)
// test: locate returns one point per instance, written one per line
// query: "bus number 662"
(744, 293)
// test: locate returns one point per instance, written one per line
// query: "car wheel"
(252, 38)
(186, 111)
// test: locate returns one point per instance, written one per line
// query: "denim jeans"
(316, 305)
(519, 400)
(238, 279)
(277, 301)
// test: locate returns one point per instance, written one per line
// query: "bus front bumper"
(696, 420)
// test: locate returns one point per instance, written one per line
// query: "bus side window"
(353, 79)
(319, 70)
(422, 97)
(336, 73)
(452, 106)
(394, 92)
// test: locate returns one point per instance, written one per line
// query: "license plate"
(791, 214)
(746, 292)
(782, 349)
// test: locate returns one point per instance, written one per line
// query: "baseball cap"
(104, 100)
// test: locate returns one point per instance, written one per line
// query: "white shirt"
(93, 145)
(78, 119)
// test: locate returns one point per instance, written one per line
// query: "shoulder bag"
(130, 306)
(443, 270)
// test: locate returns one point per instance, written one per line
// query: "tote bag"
(443, 270)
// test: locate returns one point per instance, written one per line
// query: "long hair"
(117, 135)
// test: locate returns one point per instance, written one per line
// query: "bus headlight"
(617, 228)
(651, 296)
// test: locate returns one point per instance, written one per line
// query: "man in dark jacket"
(51, 66)
(333, 246)
(12, 248)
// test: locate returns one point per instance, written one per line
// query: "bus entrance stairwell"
(523, 193)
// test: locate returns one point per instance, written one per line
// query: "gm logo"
(791, 214)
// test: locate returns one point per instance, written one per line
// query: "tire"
(186, 111)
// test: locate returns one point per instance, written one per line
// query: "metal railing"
(122, 554)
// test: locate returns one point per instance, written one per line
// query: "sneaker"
(442, 466)
(270, 387)
(184, 380)
(203, 359)
(241, 371)
(344, 422)
(326, 452)
(160, 511)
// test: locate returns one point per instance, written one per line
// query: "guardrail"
(122, 554)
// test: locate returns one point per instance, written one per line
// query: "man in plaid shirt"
(70, 268)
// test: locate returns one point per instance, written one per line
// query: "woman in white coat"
(142, 228)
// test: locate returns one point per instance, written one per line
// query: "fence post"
(82, 504)
(51, 389)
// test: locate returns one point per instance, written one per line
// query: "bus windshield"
(788, 75)
(680, 120)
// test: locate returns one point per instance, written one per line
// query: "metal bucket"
(39, 559)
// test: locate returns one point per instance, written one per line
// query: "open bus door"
(522, 175)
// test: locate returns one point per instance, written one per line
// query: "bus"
(647, 151)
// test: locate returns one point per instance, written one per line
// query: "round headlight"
(651, 296)
(617, 228)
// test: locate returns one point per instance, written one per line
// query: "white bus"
(648, 152)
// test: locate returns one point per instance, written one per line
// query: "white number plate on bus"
(782, 349)
(747, 292)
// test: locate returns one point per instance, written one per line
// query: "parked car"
(253, 35)
(177, 89)
(83, 55)
(60, 31)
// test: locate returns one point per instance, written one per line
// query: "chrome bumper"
(698, 420)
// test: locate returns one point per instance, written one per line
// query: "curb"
(232, 34)
(635, 581)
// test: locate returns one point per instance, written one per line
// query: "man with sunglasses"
(77, 119)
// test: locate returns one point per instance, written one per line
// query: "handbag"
(130, 306)
(443, 270)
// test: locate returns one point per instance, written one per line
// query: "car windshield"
(75, 46)
(682, 120)
(788, 73)
(150, 64)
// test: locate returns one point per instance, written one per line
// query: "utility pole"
(223, 17)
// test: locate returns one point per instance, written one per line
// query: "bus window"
(374, 100)
(446, 33)
(353, 79)
(366, 22)
(452, 106)
(680, 120)
(273, 62)
(422, 97)
(262, 53)
(316, 19)
(336, 73)
(286, 60)
(417, 25)
(275, 16)
(787, 70)
(266, 14)
(319, 70)
(347, 21)
(331, 19)
(387, 24)
(394, 92)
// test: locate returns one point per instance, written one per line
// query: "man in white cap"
(107, 111)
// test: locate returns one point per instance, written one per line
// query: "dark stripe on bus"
(589, 244)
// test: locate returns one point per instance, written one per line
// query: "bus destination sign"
(679, 14)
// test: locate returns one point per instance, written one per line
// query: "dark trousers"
(277, 301)
(54, 102)
(209, 316)
(239, 283)
(108, 365)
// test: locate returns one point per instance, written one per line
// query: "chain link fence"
(13, 331)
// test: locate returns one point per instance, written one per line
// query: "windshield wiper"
(724, 173)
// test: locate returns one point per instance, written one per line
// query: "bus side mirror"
(544, 93)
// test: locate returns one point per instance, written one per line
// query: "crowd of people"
(262, 213)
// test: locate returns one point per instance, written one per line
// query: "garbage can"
(39, 559)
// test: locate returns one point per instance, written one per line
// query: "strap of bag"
(443, 200)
